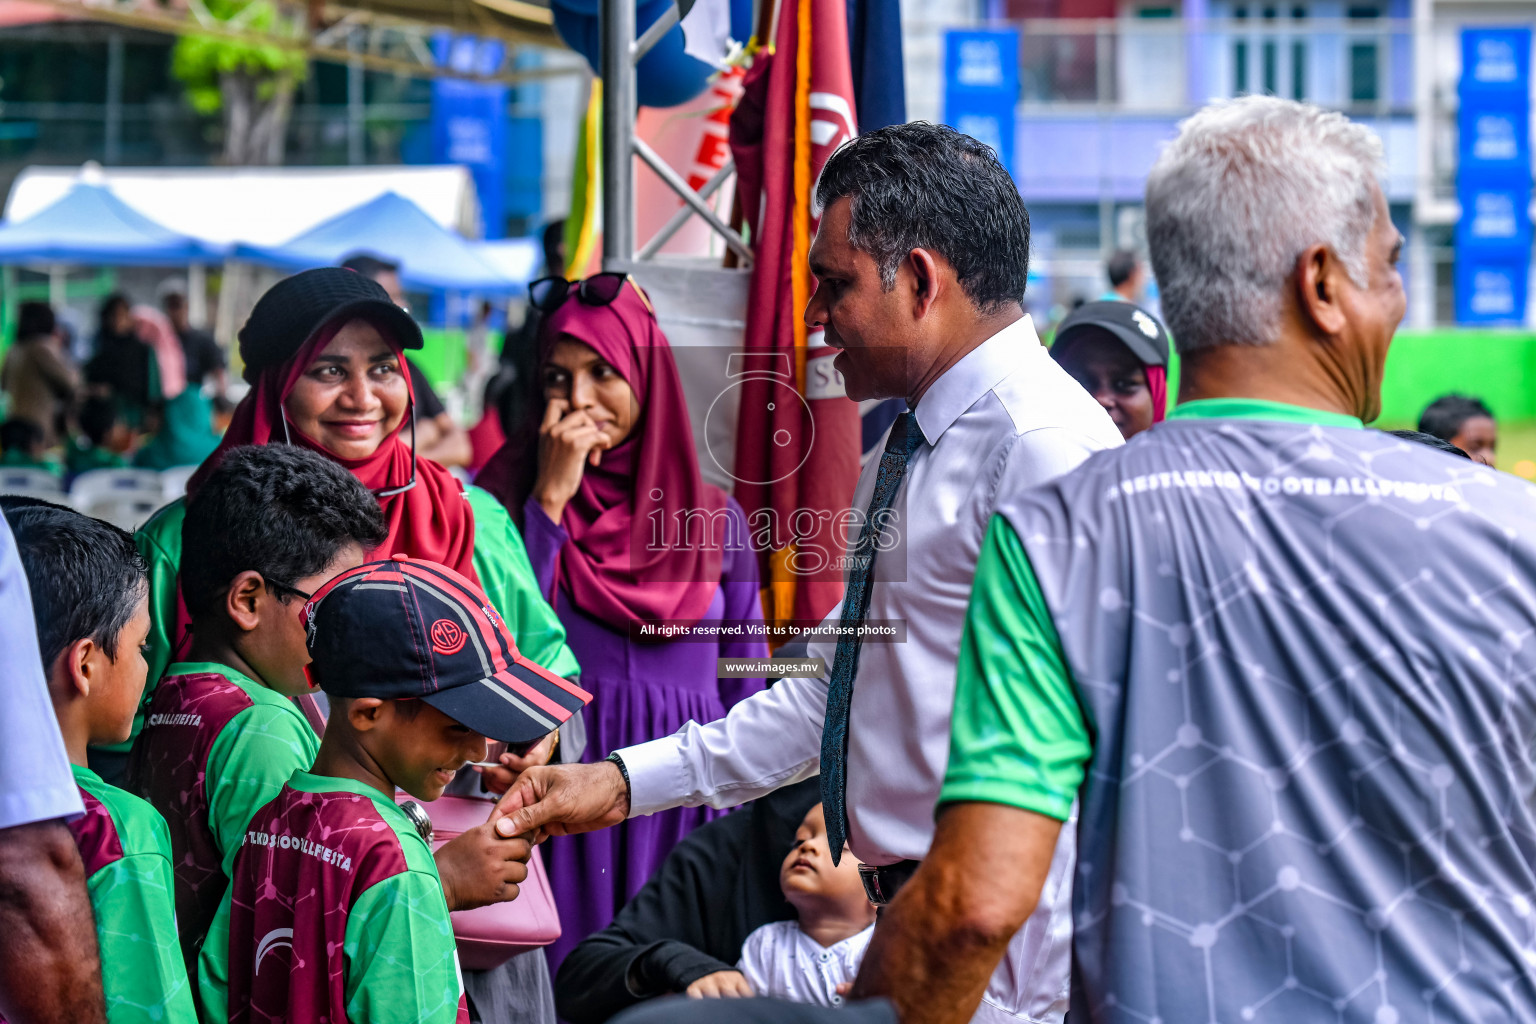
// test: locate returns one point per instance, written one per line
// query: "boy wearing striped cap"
(335, 910)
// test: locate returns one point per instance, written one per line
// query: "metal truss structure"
(380, 35)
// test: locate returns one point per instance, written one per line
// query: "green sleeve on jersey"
(253, 756)
(159, 541)
(213, 967)
(502, 563)
(143, 975)
(1017, 736)
(402, 964)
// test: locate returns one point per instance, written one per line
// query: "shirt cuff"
(658, 775)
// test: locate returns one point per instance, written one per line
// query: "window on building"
(1364, 60)
(1299, 58)
(1240, 56)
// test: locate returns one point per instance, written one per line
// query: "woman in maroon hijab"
(625, 536)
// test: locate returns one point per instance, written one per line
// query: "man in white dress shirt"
(920, 261)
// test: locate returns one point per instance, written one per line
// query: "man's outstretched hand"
(562, 800)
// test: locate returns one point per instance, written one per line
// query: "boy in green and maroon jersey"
(335, 911)
(221, 735)
(90, 600)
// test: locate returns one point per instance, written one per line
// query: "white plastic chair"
(173, 481)
(34, 483)
(123, 497)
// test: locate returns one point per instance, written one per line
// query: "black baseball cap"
(293, 310)
(1140, 331)
(409, 628)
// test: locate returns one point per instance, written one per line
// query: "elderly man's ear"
(1319, 277)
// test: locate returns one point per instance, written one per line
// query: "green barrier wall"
(443, 356)
(1497, 366)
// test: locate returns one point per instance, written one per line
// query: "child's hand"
(721, 985)
(483, 866)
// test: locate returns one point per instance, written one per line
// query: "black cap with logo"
(1139, 330)
(408, 628)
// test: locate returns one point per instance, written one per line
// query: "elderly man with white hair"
(1286, 664)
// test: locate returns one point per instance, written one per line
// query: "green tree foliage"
(249, 83)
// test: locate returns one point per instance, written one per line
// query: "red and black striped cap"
(405, 627)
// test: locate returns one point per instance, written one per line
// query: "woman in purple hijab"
(604, 487)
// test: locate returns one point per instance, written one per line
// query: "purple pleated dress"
(640, 691)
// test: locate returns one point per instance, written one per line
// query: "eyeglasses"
(548, 294)
(279, 589)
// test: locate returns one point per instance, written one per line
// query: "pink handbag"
(487, 936)
(490, 936)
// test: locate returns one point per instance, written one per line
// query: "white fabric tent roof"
(256, 205)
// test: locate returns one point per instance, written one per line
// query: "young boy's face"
(421, 749)
(117, 684)
(810, 882)
(276, 649)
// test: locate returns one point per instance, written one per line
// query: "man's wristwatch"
(629, 791)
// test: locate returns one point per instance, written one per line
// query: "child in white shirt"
(806, 961)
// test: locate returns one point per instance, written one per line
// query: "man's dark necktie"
(903, 441)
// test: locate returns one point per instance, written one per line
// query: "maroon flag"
(798, 436)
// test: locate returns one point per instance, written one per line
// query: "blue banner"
(1493, 178)
(469, 121)
(981, 86)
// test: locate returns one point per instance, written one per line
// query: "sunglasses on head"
(548, 294)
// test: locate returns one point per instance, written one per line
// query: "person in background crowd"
(322, 352)
(1127, 277)
(814, 957)
(921, 259)
(1419, 437)
(203, 355)
(269, 526)
(613, 450)
(1118, 352)
(1465, 422)
(480, 361)
(38, 375)
(682, 932)
(370, 941)
(50, 969)
(102, 440)
(439, 437)
(21, 445)
(124, 368)
(185, 435)
(513, 392)
(92, 615)
(1307, 762)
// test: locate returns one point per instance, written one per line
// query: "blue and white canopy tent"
(92, 226)
(431, 257)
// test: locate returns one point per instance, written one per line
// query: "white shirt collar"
(981, 370)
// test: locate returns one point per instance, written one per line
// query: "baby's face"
(808, 877)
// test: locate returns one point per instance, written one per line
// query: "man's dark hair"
(86, 577)
(18, 435)
(369, 266)
(1429, 441)
(927, 186)
(1121, 265)
(1445, 415)
(34, 319)
(282, 511)
(97, 417)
